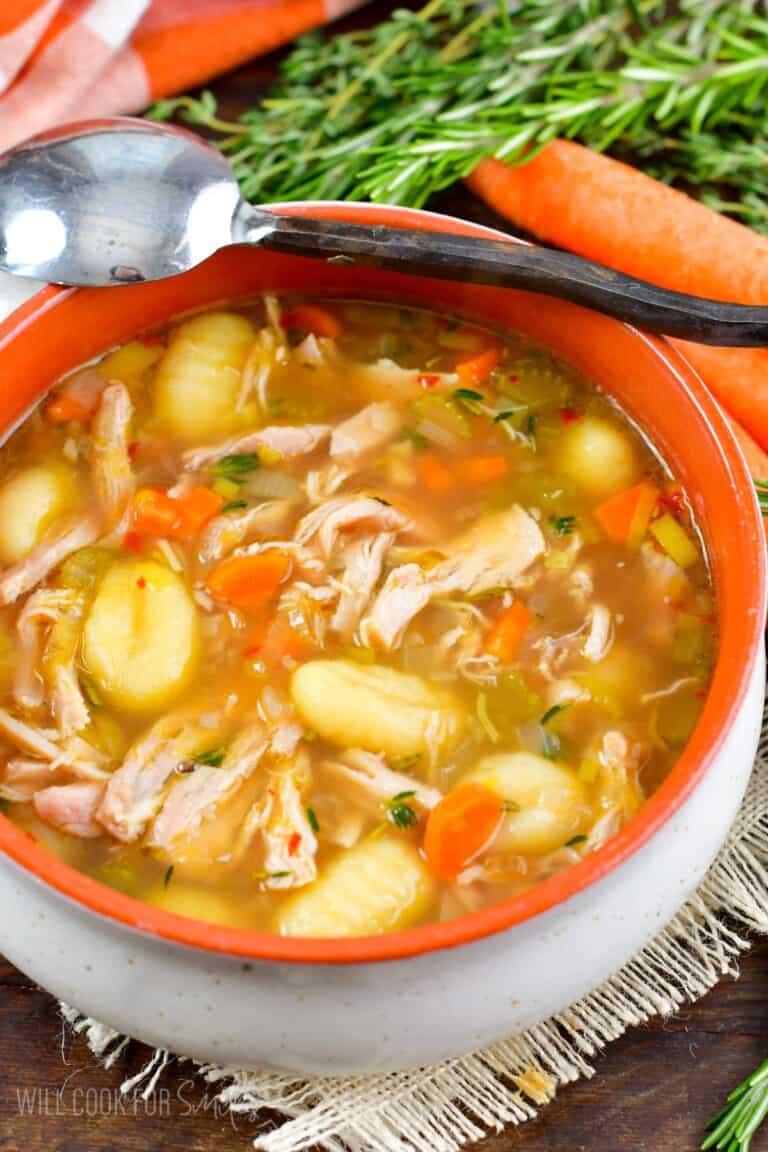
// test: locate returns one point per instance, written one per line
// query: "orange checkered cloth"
(66, 60)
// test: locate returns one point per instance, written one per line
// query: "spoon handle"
(512, 265)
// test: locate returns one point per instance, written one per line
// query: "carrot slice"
(66, 410)
(249, 582)
(195, 509)
(312, 318)
(506, 634)
(459, 827)
(589, 203)
(434, 475)
(483, 469)
(154, 513)
(625, 517)
(476, 369)
(279, 640)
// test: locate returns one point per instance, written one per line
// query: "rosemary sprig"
(397, 112)
(732, 1129)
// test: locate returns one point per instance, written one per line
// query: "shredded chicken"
(285, 439)
(363, 563)
(197, 797)
(322, 483)
(290, 845)
(367, 430)
(225, 533)
(71, 808)
(494, 553)
(621, 762)
(28, 738)
(41, 609)
(369, 781)
(269, 348)
(600, 634)
(61, 609)
(135, 792)
(113, 478)
(65, 537)
(348, 514)
(84, 386)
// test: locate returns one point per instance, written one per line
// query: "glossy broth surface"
(331, 618)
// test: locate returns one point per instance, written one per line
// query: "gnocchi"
(376, 708)
(30, 501)
(198, 378)
(140, 642)
(548, 802)
(380, 885)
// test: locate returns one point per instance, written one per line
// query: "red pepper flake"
(294, 844)
(252, 650)
(141, 582)
(150, 340)
(701, 694)
(428, 379)
(568, 415)
(673, 500)
(133, 541)
(133, 449)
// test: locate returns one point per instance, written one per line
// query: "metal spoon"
(119, 201)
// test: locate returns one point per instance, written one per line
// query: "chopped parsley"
(399, 813)
(574, 840)
(314, 823)
(531, 424)
(473, 401)
(168, 876)
(236, 467)
(278, 875)
(211, 759)
(562, 525)
(550, 714)
(506, 414)
(235, 506)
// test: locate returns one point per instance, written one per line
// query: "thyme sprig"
(399, 111)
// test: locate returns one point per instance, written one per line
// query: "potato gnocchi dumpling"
(339, 618)
(377, 708)
(198, 378)
(141, 642)
(30, 501)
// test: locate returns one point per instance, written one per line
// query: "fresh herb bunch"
(396, 112)
(747, 1106)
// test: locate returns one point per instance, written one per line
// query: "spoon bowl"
(120, 201)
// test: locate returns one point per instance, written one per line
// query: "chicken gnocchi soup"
(331, 620)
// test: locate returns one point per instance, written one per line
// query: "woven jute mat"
(446, 1106)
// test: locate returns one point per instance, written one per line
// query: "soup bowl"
(368, 1004)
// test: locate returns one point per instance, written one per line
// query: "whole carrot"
(609, 212)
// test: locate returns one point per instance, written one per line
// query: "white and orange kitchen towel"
(64, 60)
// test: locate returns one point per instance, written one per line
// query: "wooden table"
(655, 1088)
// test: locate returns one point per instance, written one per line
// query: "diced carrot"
(506, 634)
(312, 318)
(459, 827)
(434, 475)
(476, 369)
(625, 517)
(65, 409)
(154, 513)
(282, 640)
(249, 582)
(482, 469)
(196, 508)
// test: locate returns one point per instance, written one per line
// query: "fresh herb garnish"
(279, 875)
(732, 1129)
(511, 806)
(531, 424)
(399, 813)
(168, 875)
(213, 758)
(381, 500)
(236, 467)
(314, 823)
(460, 83)
(550, 745)
(574, 840)
(507, 414)
(562, 525)
(761, 486)
(550, 714)
(470, 399)
(235, 506)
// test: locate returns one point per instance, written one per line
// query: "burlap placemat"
(444, 1107)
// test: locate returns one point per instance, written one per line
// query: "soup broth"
(336, 618)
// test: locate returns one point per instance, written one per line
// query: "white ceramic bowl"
(335, 1006)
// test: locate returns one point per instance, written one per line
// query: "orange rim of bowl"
(740, 639)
